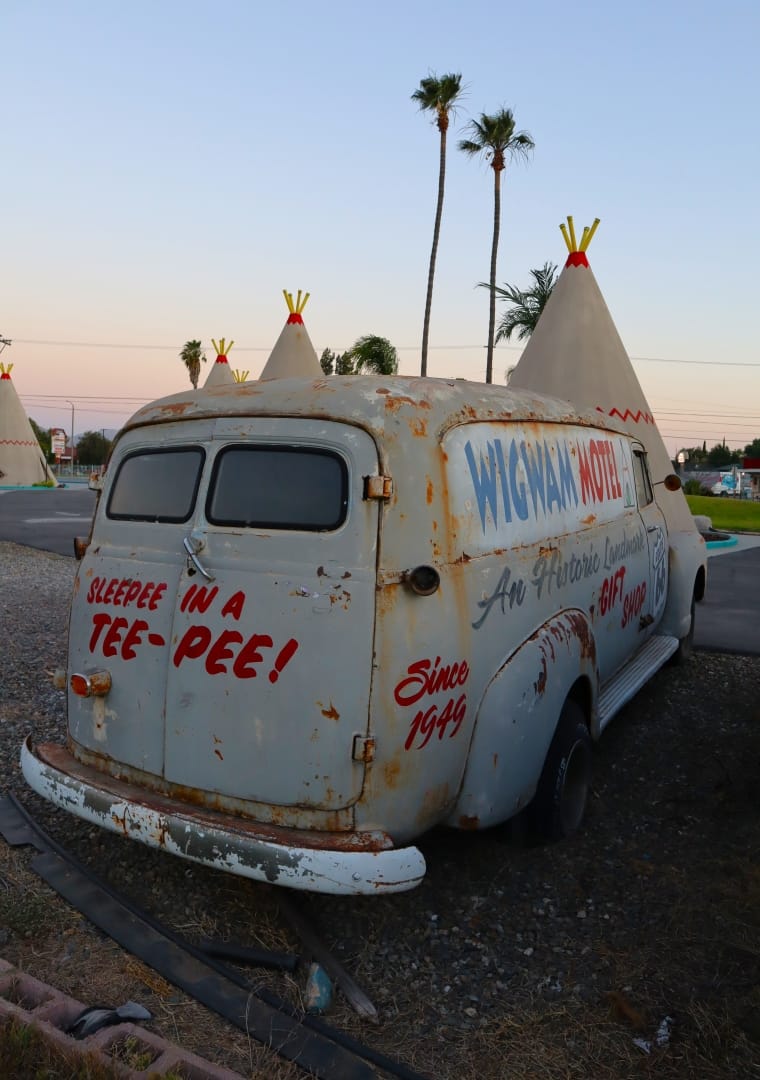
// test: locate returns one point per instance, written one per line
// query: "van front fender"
(517, 718)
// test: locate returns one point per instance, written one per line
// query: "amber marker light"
(94, 684)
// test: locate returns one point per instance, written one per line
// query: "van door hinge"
(364, 748)
(378, 487)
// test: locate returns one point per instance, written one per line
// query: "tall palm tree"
(527, 304)
(192, 356)
(439, 97)
(495, 138)
(373, 354)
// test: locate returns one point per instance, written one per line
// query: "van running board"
(629, 680)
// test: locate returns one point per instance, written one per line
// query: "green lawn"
(731, 514)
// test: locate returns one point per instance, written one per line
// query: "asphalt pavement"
(46, 518)
(727, 620)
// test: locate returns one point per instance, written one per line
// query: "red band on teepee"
(577, 258)
(221, 359)
(294, 317)
(5, 375)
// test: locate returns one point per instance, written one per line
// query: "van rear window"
(157, 485)
(278, 487)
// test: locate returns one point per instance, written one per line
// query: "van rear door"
(271, 657)
(125, 593)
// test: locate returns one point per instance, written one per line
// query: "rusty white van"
(316, 618)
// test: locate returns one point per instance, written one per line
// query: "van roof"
(371, 402)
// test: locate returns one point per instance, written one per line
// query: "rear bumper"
(354, 864)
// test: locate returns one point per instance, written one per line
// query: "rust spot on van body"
(543, 676)
(469, 823)
(588, 520)
(177, 408)
(429, 491)
(330, 712)
(391, 771)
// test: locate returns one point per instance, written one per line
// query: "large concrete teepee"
(576, 353)
(220, 374)
(293, 353)
(22, 463)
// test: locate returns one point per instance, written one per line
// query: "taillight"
(95, 684)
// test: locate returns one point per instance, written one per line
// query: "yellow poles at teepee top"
(300, 304)
(221, 346)
(6, 369)
(588, 233)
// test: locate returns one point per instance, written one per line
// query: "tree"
(43, 437)
(752, 449)
(526, 305)
(494, 137)
(373, 354)
(721, 455)
(93, 448)
(192, 356)
(439, 97)
(336, 363)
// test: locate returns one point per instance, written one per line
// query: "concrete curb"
(33, 1002)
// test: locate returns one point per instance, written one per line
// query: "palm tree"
(527, 305)
(439, 97)
(496, 139)
(373, 354)
(192, 356)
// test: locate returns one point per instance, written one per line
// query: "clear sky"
(167, 167)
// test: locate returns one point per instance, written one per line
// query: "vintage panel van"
(317, 617)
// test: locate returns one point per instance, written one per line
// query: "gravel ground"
(510, 960)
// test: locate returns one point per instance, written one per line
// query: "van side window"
(278, 487)
(156, 485)
(644, 493)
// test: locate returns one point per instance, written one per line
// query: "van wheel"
(686, 644)
(560, 801)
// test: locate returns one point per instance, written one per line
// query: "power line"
(399, 348)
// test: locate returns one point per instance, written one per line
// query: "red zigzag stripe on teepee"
(17, 442)
(628, 415)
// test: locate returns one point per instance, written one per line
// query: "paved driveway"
(47, 518)
(728, 619)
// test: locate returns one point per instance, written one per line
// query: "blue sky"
(168, 167)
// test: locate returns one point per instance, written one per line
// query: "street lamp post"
(71, 403)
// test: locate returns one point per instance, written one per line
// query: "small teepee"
(576, 353)
(22, 462)
(220, 374)
(293, 353)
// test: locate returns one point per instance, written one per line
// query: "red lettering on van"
(424, 677)
(121, 592)
(612, 591)
(250, 655)
(198, 598)
(427, 721)
(219, 652)
(113, 638)
(633, 603)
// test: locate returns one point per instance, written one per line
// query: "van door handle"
(193, 559)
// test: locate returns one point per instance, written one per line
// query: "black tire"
(560, 801)
(686, 644)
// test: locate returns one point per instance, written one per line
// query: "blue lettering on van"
(497, 479)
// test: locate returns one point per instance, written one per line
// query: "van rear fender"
(518, 715)
(687, 577)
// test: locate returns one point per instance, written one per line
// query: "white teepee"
(293, 353)
(576, 353)
(220, 374)
(22, 462)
